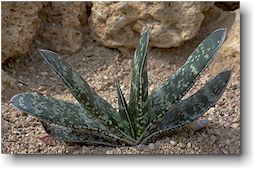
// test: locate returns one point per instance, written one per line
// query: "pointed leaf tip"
(183, 79)
(85, 95)
(139, 86)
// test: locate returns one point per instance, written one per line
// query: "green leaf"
(72, 135)
(191, 108)
(102, 111)
(139, 86)
(63, 114)
(177, 86)
(123, 108)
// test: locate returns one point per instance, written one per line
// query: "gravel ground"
(101, 66)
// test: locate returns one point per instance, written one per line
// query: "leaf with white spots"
(72, 135)
(55, 111)
(102, 111)
(191, 108)
(63, 114)
(163, 98)
(139, 86)
(123, 109)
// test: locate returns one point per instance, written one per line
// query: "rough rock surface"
(230, 50)
(119, 24)
(61, 26)
(9, 86)
(19, 25)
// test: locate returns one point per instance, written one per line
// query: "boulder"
(19, 25)
(119, 24)
(9, 86)
(61, 26)
(229, 54)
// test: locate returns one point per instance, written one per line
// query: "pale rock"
(229, 54)
(9, 86)
(119, 24)
(61, 26)
(19, 25)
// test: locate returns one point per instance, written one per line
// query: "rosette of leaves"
(94, 121)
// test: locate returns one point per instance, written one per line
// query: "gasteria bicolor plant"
(94, 121)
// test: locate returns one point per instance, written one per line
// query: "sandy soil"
(101, 66)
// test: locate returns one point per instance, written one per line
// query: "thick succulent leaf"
(54, 111)
(62, 113)
(163, 98)
(85, 95)
(191, 108)
(72, 135)
(139, 86)
(123, 108)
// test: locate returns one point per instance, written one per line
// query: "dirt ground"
(100, 67)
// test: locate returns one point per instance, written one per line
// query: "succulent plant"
(94, 121)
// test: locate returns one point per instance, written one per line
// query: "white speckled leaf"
(85, 95)
(123, 109)
(139, 86)
(55, 111)
(163, 98)
(61, 113)
(191, 108)
(72, 135)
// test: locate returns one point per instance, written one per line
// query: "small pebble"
(217, 132)
(73, 148)
(235, 125)
(228, 142)
(235, 120)
(200, 139)
(224, 151)
(109, 152)
(151, 146)
(158, 144)
(161, 152)
(213, 138)
(85, 149)
(44, 73)
(140, 146)
(184, 134)
(118, 151)
(182, 145)
(167, 139)
(173, 143)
